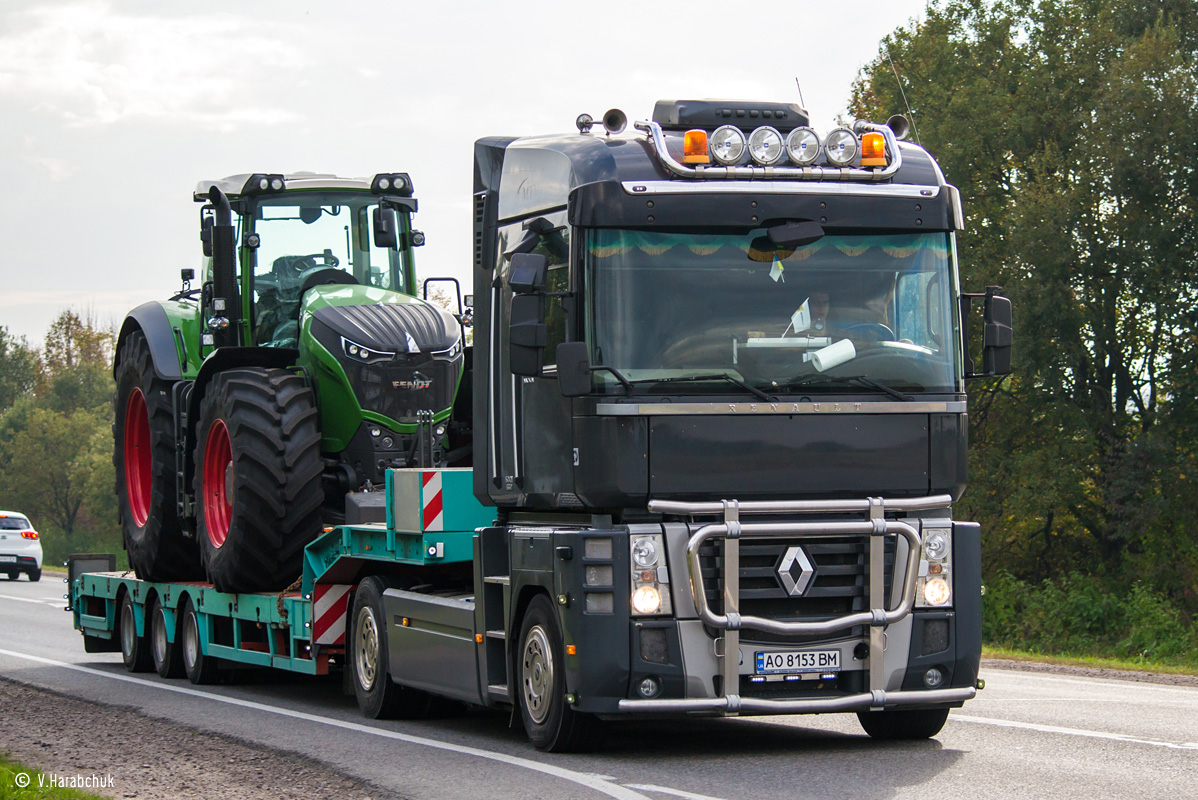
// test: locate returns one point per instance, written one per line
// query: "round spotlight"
(253, 240)
(802, 146)
(935, 544)
(644, 552)
(727, 144)
(933, 678)
(417, 239)
(646, 600)
(399, 183)
(936, 592)
(384, 183)
(388, 442)
(263, 184)
(648, 688)
(765, 146)
(841, 147)
(375, 432)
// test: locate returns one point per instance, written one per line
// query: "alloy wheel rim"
(139, 473)
(536, 673)
(218, 494)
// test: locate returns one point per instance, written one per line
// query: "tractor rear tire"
(257, 479)
(144, 457)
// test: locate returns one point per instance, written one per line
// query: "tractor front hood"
(382, 320)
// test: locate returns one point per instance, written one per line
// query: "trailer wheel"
(896, 724)
(135, 650)
(202, 670)
(168, 656)
(144, 457)
(378, 696)
(257, 478)
(549, 721)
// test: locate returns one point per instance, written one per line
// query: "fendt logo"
(419, 381)
(796, 571)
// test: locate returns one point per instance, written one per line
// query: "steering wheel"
(873, 331)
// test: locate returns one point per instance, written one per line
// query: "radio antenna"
(899, 81)
(800, 88)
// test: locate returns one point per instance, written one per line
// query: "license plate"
(8, 559)
(798, 661)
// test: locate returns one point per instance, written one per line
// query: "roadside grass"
(39, 785)
(1070, 660)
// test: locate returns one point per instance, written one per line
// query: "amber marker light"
(873, 150)
(571, 650)
(694, 147)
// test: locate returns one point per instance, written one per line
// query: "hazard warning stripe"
(434, 520)
(329, 605)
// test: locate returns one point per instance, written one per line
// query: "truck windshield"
(809, 319)
(304, 233)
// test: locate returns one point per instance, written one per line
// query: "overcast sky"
(112, 111)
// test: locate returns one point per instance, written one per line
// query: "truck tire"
(257, 479)
(135, 650)
(202, 670)
(167, 655)
(35, 575)
(144, 457)
(896, 724)
(378, 696)
(540, 671)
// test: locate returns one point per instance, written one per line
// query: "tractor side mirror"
(997, 335)
(527, 273)
(527, 335)
(573, 369)
(206, 224)
(386, 228)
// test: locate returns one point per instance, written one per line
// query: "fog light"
(765, 145)
(727, 144)
(648, 687)
(933, 678)
(646, 600)
(936, 592)
(840, 147)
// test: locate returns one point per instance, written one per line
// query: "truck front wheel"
(257, 478)
(896, 724)
(378, 696)
(549, 721)
(144, 457)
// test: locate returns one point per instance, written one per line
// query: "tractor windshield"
(316, 238)
(843, 311)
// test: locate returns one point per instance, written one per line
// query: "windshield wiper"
(860, 380)
(721, 376)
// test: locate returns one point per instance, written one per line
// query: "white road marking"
(56, 603)
(1100, 683)
(1031, 726)
(581, 778)
(648, 787)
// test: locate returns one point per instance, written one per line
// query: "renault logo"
(796, 571)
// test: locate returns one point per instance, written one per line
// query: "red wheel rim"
(218, 456)
(139, 463)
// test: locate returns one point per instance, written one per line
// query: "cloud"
(88, 64)
(57, 169)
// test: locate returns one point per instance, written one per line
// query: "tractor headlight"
(650, 576)
(364, 354)
(841, 147)
(765, 146)
(727, 144)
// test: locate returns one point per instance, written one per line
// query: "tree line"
(1070, 127)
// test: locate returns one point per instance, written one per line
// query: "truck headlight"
(650, 575)
(934, 588)
(936, 592)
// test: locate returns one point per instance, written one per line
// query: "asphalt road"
(1028, 735)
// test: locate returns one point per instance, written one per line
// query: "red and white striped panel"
(329, 612)
(434, 520)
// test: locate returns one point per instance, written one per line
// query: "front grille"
(409, 384)
(839, 585)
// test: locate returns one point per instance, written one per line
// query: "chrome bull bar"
(731, 622)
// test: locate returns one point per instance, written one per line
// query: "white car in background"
(20, 548)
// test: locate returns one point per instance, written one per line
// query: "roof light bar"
(263, 183)
(394, 183)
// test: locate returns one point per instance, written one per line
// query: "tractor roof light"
(694, 147)
(263, 183)
(727, 144)
(765, 146)
(840, 147)
(802, 146)
(393, 183)
(873, 150)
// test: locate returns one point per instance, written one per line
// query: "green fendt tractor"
(301, 368)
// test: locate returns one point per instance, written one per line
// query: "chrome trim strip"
(900, 190)
(803, 173)
(904, 505)
(839, 407)
(821, 705)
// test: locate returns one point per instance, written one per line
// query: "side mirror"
(187, 275)
(997, 335)
(527, 335)
(527, 273)
(468, 301)
(386, 228)
(573, 369)
(206, 223)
